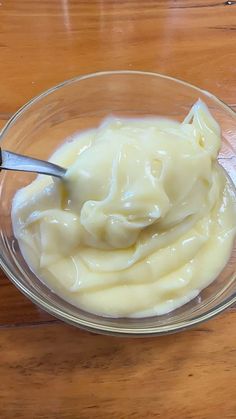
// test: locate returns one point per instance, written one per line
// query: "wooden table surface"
(49, 369)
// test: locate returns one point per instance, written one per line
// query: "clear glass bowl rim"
(88, 325)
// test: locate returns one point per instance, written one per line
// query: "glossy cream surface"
(144, 220)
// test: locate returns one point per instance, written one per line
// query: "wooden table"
(49, 369)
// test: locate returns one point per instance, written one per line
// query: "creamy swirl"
(144, 220)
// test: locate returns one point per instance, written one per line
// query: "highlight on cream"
(144, 220)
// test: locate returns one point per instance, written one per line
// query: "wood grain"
(50, 370)
(55, 371)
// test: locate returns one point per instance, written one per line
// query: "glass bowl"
(44, 123)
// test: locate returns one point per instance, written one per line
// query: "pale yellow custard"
(144, 220)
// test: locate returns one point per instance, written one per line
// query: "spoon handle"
(13, 161)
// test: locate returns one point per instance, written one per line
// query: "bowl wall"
(57, 115)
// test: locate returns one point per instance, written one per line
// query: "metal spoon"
(13, 161)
